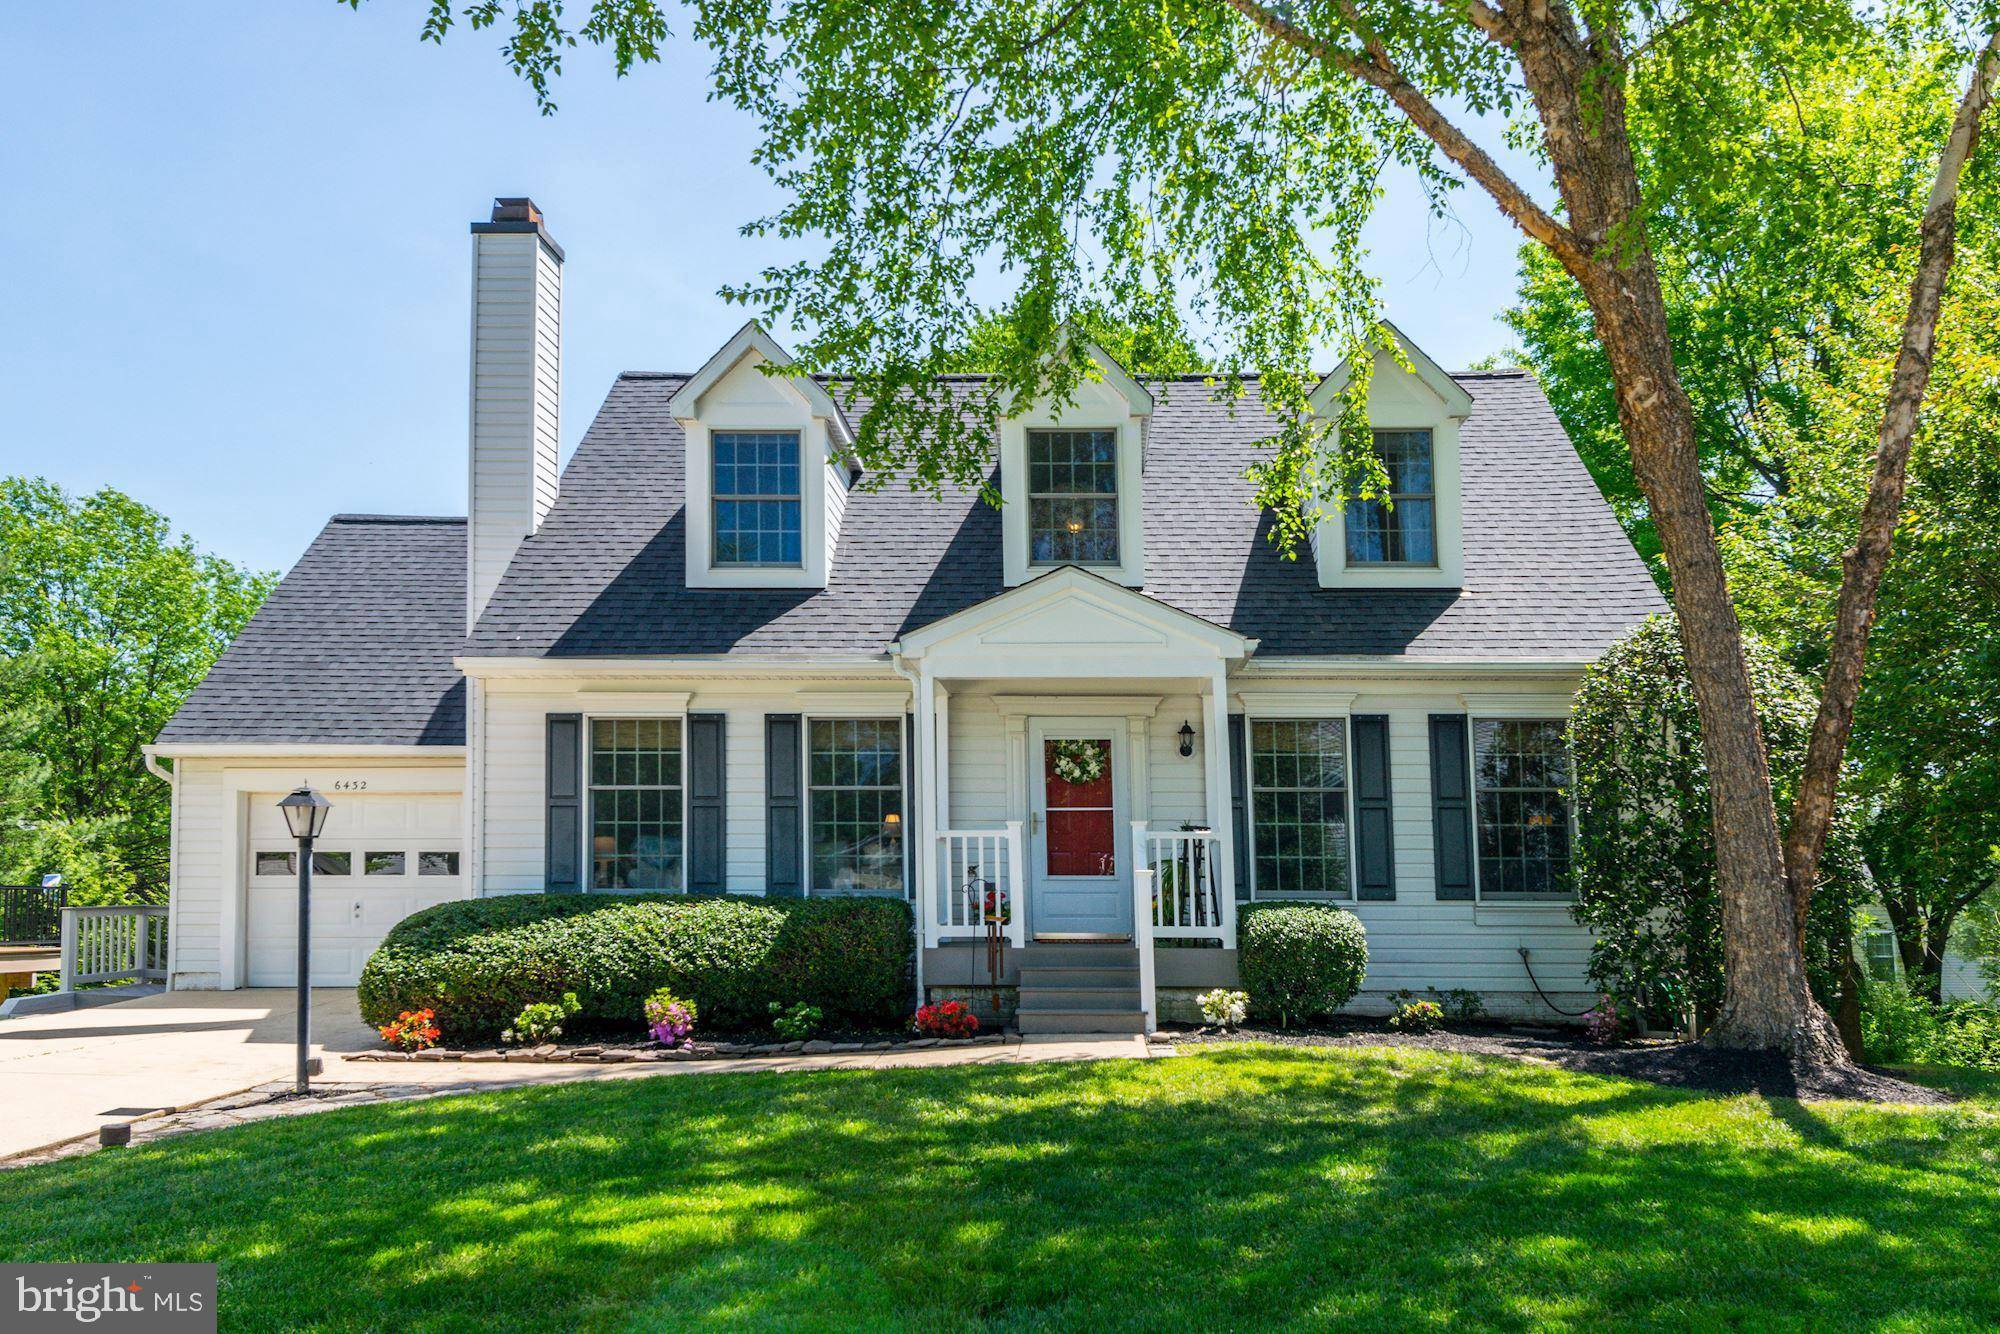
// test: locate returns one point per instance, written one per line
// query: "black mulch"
(1674, 1064)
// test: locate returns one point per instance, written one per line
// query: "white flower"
(1222, 1008)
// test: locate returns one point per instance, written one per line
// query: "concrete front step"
(1080, 1021)
(1114, 955)
(1128, 978)
(1113, 1000)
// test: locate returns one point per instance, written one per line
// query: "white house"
(710, 656)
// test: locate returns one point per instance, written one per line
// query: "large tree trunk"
(1766, 1001)
(1766, 1004)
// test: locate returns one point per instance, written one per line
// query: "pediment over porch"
(1071, 623)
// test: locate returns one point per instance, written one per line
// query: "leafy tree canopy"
(1784, 224)
(1157, 345)
(1925, 761)
(106, 622)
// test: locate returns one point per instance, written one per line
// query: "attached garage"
(381, 858)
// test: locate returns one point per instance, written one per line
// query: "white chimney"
(516, 390)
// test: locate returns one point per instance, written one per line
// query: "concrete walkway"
(64, 1075)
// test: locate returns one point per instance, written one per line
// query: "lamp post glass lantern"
(305, 815)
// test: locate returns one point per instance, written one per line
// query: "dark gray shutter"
(1239, 805)
(911, 796)
(708, 809)
(1374, 819)
(562, 840)
(1451, 805)
(784, 869)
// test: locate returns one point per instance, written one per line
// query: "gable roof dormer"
(768, 469)
(1418, 540)
(1071, 478)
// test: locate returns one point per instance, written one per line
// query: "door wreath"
(1079, 763)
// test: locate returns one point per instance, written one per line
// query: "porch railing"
(30, 914)
(115, 944)
(1177, 894)
(979, 882)
(1189, 900)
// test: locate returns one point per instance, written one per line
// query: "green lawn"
(1225, 1189)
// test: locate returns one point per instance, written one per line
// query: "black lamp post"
(305, 815)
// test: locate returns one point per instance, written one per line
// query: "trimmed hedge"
(1300, 961)
(476, 962)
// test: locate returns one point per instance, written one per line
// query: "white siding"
(836, 505)
(1177, 794)
(515, 760)
(1962, 979)
(516, 399)
(979, 796)
(200, 873)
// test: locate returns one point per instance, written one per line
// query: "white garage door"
(381, 859)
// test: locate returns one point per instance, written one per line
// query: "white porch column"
(941, 707)
(1216, 768)
(923, 826)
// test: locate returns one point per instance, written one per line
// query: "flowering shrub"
(1604, 1024)
(669, 1018)
(1223, 1008)
(796, 1023)
(541, 1021)
(952, 1019)
(1417, 1017)
(412, 1030)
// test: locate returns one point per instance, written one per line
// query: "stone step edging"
(618, 1052)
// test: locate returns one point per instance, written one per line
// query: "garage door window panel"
(383, 863)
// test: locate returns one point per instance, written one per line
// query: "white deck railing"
(979, 881)
(113, 944)
(1177, 894)
(1189, 900)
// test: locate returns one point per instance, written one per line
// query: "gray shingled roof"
(1549, 573)
(353, 647)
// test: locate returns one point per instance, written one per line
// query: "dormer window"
(1404, 531)
(1073, 497)
(769, 461)
(1413, 536)
(1071, 478)
(759, 520)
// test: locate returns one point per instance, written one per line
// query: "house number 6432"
(350, 785)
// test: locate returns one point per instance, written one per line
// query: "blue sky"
(240, 256)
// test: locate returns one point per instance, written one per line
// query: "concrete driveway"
(63, 1075)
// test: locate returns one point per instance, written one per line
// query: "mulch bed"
(1667, 1062)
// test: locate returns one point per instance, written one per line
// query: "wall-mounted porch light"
(1187, 739)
